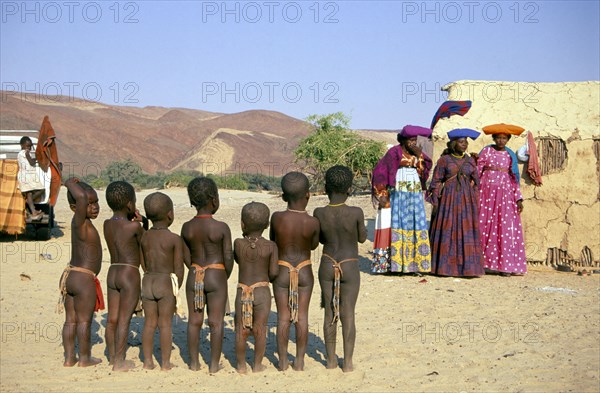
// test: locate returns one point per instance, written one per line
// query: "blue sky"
(381, 62)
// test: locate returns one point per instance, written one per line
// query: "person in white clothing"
(29, 183)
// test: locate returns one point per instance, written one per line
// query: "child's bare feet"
(149, 365)
(194, 366)
(70, 362)
(214, 368)
(332, 363)
(241, 368)
(283, 365)
(125, 365)
(298, 364)
(258, 368)
(92, 361)
(166, 366)
(347, 366)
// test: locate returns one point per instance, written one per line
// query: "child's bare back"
(211, 263)
(257, 259)
(296, 234)
(163, 259)
(123, 234)
(163, 256)
(342, 228)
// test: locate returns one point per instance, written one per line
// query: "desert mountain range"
(90, 135)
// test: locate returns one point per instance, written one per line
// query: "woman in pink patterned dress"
(500, 206)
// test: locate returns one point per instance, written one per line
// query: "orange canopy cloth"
(502, 128)
(47, 156)
(12, 203)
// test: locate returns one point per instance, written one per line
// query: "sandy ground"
(538, 333)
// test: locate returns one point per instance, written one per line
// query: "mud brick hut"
(561, 218)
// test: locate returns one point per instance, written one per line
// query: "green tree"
(229, 182)
(180, 178)
(333, 143)
(122, 170)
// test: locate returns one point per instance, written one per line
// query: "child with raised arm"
(80, 289)
(342, 228)
(257, 259)
(296, 234)
(210, 266)
(163, 254)
(123, 234)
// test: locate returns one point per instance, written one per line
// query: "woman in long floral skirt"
(401, 241)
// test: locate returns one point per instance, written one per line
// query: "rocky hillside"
(90, 135)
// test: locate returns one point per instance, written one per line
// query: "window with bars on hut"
(552, 154)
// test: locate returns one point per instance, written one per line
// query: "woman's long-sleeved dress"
(499, 221)
(454, 230)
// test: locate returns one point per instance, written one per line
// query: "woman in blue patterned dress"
(401, 239)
